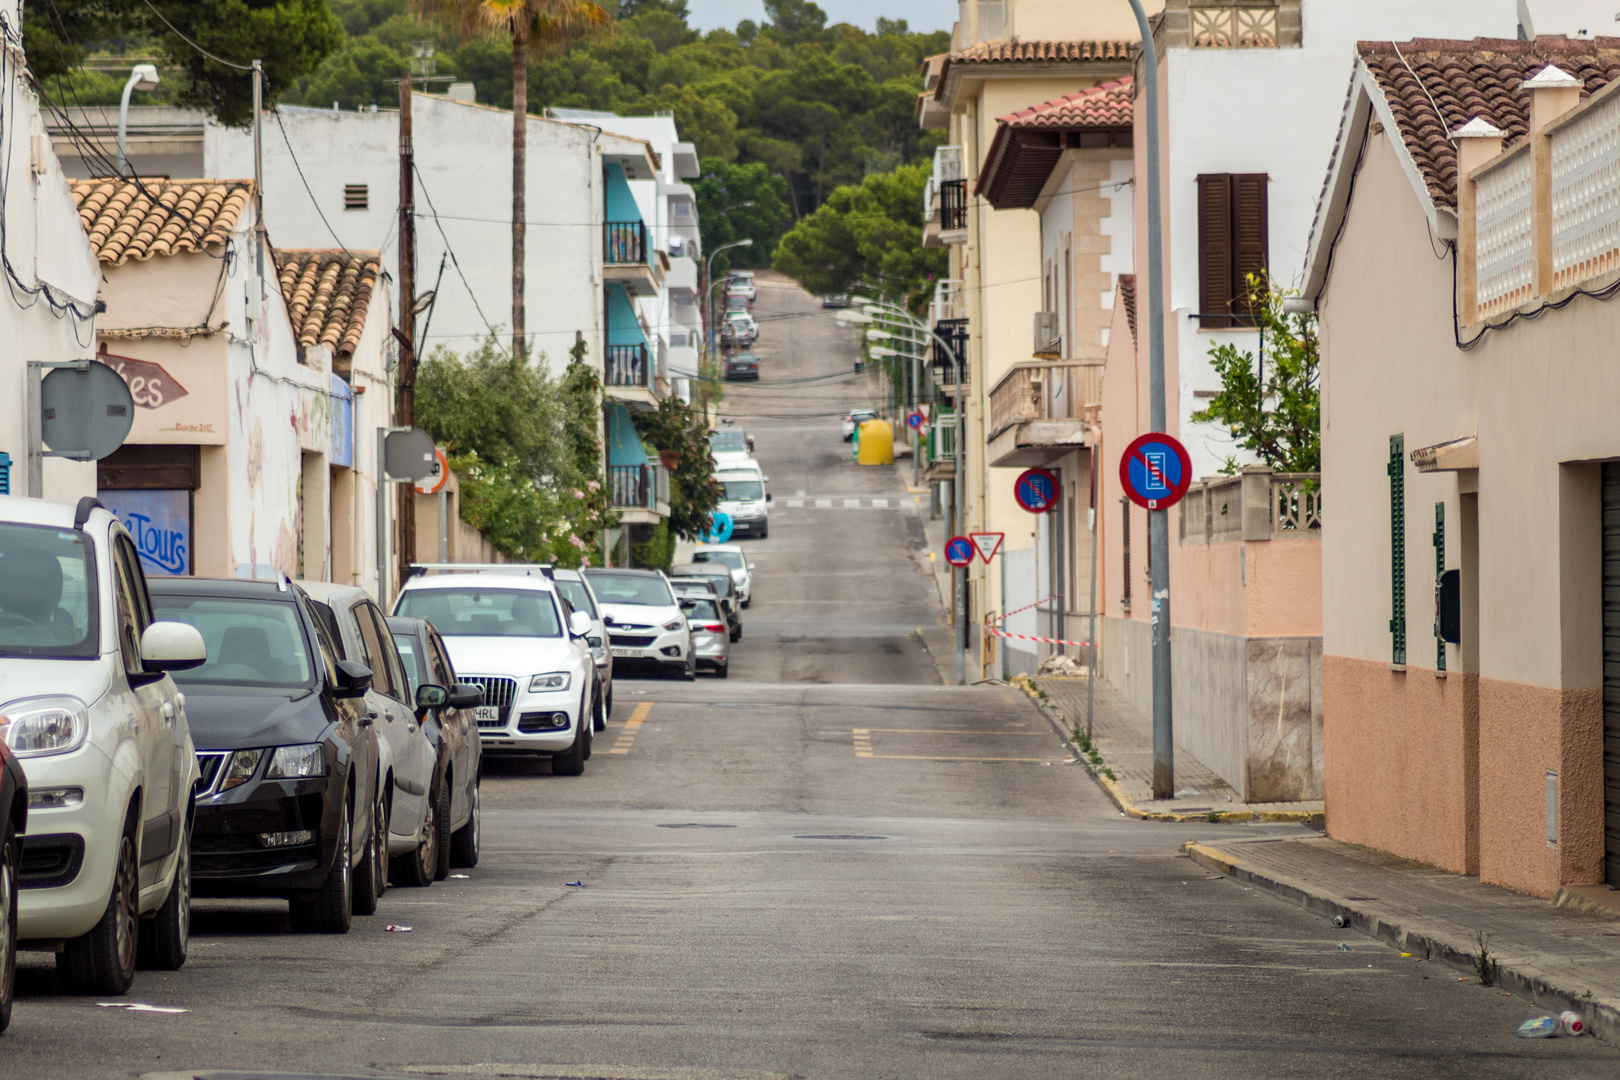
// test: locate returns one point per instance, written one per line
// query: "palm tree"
(537, 26)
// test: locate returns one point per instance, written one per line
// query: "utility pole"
(1164, 760)
(405, 333)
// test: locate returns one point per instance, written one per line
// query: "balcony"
(1257, 504)
(628, 376)
(955, 334)
(1038, 411)
(625, 258)
(947, 305)
(639, 493)
(945, 200)
(681, 281)
(940, 448)
(952, 209)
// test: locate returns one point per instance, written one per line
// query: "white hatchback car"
(730, 556)
(87, 705)
(507, 633)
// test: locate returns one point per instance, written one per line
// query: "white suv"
(507, 633)
(732, 558)
(645, 624)
(87, 705)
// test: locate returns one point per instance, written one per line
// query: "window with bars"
(1232, 228)
(1397, 548)
(356, 197)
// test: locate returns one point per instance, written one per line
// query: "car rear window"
(700, 610)
(481, 612)
(47, 593)
(251, 643)
(732, 559)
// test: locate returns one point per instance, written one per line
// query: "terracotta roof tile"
(1107, 105)
(1127, 297)
(1004, 51)
(126, 220)
(327, 294)
(1468, 79)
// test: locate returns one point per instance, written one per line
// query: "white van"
(746, 499)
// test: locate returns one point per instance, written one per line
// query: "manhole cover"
(839, 836)
(695, 825)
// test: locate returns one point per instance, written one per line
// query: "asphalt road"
(829, 865)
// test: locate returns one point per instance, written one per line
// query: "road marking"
(880, 504)
(794, 504)
(852, 504)
(823, 504)
(862, 741)
(631, 727)
(949, 731)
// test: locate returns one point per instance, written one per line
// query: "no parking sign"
(1155, 471)
(959, 551)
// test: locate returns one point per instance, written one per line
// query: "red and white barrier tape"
(1030, 637)
(1036, 604)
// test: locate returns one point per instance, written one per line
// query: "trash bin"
(877, 443)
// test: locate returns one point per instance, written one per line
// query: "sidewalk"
(1124, 740)
(1560, 958)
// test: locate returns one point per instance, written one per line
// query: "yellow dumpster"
(877, 443)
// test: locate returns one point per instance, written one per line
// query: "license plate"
(630, 654)
(487, 714)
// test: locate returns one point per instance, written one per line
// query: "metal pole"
(123, 122)
(1091, 630)
(406, 334)
(382, 521)
(444, 524)
(258, 176)
(1164, 764)
(36, 455)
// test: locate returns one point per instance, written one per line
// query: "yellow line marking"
(949, 731)
(929, 757)
(628, 736)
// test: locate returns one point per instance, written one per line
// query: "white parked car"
(745, 499)
(577, 591)
(730, 446)
(732, 558)
(508, 634)
(855, 420)
(87, 705)
(743, 287)
(646, 627)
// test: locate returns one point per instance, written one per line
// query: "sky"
(920, 14)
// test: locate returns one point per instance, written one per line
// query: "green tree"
(738, 201)
(1275, 416)
(694, 494)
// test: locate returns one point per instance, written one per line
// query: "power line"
(193, 44)
(453, 260)
(307, 190)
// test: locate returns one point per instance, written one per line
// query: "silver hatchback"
(711, 637)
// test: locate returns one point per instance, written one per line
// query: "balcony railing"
(947, 305)
(629, 366)
(1257, 504)
(1044, 391)
(638, 487)
(952, 205)
(942, 437)
(624, 242)
(955, 334)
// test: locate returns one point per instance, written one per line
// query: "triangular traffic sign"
(988, 543)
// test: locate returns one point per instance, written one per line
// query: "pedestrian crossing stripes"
(840, 502)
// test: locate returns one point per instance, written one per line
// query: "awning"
(1450, 456)
(624, 445)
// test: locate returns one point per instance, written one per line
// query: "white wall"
(463, 154)
(44, 244)
(1274, 111)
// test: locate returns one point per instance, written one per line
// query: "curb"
(1546, 989)
(1128, 806)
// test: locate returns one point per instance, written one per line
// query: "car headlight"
(242, 766)
(556, 680)
(44, 726)
(305, 759)
(674, 624)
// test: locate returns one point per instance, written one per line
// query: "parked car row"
(739, 330)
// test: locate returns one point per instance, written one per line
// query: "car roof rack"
(516, 568)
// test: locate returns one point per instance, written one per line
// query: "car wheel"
(571, 762)
(371, 880)
(607, 708)
(464, 844)
(330, 908)
(164, 937)
(691, 670)
(722, 670)
(748, 602)
(417, 868)
(103, 961)
(441, 870)
(599, 714)
(8, 926)
(764, 531)
(736, 635)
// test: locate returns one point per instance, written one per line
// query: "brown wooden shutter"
(1215, 285)
(1248, 239)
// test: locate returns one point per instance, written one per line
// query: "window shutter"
(1248, 238)
(1397, 548)
(1215, 249)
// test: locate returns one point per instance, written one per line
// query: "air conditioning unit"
(1048, 337)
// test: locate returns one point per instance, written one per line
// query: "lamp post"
(893, 315)
(141, 77)
(708, 292)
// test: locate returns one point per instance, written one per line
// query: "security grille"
(1611, 673)
(498, 692)
(1397, 548)
(209, 763)
(356, 197)
(630, 641)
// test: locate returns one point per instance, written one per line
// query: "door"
(459, 735)
(396, 720)
(1611, 673)
(150, 709)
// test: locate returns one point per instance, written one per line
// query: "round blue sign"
(1036, 490)
(959, 551)
(720, 527)
(1155, 470)
(914, 421)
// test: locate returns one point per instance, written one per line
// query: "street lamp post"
(141, 77)
(708, 292)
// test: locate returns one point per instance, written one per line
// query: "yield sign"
(988, 543)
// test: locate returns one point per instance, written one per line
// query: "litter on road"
(574, 884)
(395, 928)
(136, 1006)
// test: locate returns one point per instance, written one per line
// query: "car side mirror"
(172, 646)
(750, 568)
(432, 696)
(768, 497)
(579, 624)
(353, 679)
(466, 695)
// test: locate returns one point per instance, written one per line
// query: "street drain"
(839, 836)
(695, 825)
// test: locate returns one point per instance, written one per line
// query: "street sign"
(914, 421)
(1155, 471)
(720, 528)
(85, 412)
(959, 551)
(408, 455)
(1036, 490)
(434, 482)
(987, 543)
(923, 410)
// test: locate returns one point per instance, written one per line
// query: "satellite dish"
(409, 455)
(85, 413)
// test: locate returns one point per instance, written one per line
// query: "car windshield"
(732, 559)
(482, 612)
(406, 644)
(646, 590)
(577, 595)
(728, 441)
(700, 610)
(743, 490)
(259, 644)
(47, 592)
